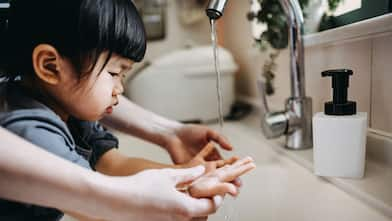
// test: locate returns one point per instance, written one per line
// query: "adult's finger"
(186, 175)
(194, 207)
(218, 199)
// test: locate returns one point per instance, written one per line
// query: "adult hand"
(152, 195)
(188, 140)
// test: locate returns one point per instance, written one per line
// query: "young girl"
(63, 62)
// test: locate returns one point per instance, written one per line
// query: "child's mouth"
(109, 110)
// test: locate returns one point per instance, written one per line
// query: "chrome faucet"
(296, 120)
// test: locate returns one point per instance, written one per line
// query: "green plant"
(275, 37)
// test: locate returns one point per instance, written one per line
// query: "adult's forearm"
(32, 175)
(134, 120)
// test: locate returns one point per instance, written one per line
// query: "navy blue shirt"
(81, 142)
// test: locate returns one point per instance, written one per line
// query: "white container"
(181, 85)
(339, 145)
(339, 133)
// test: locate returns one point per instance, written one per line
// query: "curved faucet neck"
(295, 21)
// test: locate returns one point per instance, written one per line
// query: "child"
(64, 62)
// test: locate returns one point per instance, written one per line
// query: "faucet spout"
(295, 121)
(295, 22)
(216, 8)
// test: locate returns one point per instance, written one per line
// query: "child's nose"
(118, 89)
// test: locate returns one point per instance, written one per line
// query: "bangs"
(81, 30)
(114, 26)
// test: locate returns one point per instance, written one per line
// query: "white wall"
(238, 39)
(177, 34)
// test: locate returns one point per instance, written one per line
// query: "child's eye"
(114, 74)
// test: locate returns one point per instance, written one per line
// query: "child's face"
(94, 95)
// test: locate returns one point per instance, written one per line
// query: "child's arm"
(182, 141)
(80, 217)
(115, 163)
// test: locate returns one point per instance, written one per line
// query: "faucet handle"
(273, 124)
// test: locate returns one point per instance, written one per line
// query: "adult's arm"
(29, 174)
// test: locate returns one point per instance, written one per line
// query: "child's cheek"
(102, 94)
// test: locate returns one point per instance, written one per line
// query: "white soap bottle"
(339, 133)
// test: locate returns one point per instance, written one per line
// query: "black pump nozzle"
(340, 84)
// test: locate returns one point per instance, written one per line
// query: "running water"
(227, 209)
(217, 71)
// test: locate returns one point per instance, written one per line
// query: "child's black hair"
(79, 29)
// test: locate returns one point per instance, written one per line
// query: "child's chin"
(93, 118)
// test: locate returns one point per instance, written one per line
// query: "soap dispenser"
(339, 132)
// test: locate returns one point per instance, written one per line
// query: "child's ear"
(46, 63)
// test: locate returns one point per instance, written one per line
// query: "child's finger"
(243, 161)
(231, 160)
(214, 155)
(224, 188)
(231, 173)
(237, 182)
(216, 189)
(206, 150)
(220, 163)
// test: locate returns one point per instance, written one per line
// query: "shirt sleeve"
(92, 135)
(50, 139)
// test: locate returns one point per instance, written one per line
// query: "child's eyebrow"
(126, 66)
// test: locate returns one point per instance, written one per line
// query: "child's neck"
(49, 101)
(58, 110)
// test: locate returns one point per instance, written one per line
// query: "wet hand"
(188, 140)
(219, 181)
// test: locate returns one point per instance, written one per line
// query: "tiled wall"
(382, 83)
(370, 86)
(369, 57)
(353, 55)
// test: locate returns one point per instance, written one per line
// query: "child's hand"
(200, 159)
(218, 181)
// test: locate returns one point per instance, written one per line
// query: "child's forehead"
(121, 62)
